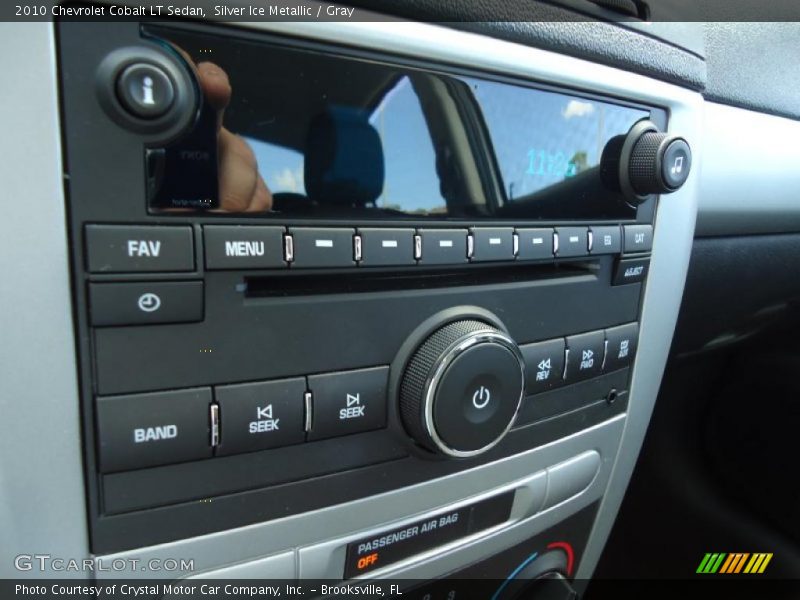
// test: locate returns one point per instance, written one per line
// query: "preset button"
(535, 244)
(322, 247)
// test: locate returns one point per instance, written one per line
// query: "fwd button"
(144, 430)
(348, 402)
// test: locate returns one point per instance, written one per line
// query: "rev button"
(348, 402)
(544, 365)
(144, 430)
(255, 416)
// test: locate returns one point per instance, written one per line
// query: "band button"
(144, 430)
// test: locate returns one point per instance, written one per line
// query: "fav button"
(144, 303)
(144, 430)
(129, 249)
(348, 402)
(246, 247)
(255, 416)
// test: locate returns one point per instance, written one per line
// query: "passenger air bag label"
(395, 545)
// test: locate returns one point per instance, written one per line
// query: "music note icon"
(677, 166)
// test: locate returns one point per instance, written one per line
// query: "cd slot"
(308, 284)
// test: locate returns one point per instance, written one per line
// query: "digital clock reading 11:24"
(541, 162)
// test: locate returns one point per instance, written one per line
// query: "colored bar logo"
(734, 563)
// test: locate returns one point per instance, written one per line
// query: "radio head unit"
(306, 274)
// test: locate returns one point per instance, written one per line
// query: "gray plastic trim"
(321, 534)
(42, 508)
(749, 179)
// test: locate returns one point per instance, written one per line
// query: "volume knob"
(645, 161)
(462, 388)
(659, 163)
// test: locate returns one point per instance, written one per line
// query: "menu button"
(246, 247)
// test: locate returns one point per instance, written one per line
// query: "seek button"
(256, 416)
(348, 402)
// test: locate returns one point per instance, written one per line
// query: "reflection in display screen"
(542, 138)
(294, 133)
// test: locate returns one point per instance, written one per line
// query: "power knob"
(462, 388)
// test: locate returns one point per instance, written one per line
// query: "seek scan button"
(256, 416)
(348, 402)
(378, 551)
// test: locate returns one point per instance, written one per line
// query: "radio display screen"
(298, 133)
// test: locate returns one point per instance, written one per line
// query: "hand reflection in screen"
(241, 188)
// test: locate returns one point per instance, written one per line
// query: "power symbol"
(481, 397)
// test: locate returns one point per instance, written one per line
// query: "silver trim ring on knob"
(439, 368)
